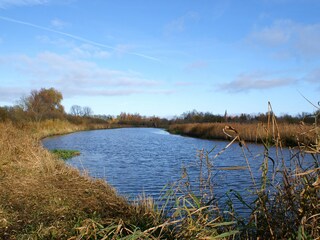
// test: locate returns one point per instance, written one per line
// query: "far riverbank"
(283, 134)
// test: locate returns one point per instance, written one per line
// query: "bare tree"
(76, 110)
(87, 111)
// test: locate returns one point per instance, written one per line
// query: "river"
(144, 160)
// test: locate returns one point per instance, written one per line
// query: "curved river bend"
(137, 160)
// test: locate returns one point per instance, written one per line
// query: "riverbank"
(41, 197)
(285, 134)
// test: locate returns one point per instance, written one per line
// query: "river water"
(144, 160)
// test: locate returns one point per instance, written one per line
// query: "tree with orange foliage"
(43, 104)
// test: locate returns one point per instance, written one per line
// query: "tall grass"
(56, 127)
(291, 134)
(41, 197)
(286, 195)
(288, 200)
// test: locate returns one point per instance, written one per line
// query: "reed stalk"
(42, 198)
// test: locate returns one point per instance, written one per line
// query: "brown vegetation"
(287, 194)
(291, 134)
(41, 197)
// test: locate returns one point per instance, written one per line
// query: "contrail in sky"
(81, 39)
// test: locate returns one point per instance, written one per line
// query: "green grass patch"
(65, 154)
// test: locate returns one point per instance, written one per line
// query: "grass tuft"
(65, 154)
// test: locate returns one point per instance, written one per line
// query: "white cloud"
(83, 51)
(89, 51)
(180, 24)
(65, 69)
(256, 81)
(18, 3)
(122, 49)
(57, 23)
(74, 91)
(290, 39)
(313, 78)
(75, 37)
(308, 39)
(278, 33)
(11, 94)
(80, 77)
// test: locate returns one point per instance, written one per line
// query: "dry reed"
(291, 134)
(41, 197)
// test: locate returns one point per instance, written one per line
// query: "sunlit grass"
(291, 134)
(42, 198)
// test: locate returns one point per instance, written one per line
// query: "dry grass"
(56, 127)
(287, 194)
(291, 134)
(40, 197)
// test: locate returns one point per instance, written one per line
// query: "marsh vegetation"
(41, 197)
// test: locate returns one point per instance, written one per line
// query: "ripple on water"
(136, 160)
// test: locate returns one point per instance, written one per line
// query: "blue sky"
(163, 57)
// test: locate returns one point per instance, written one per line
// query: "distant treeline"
(207, 117)
(46, 104)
